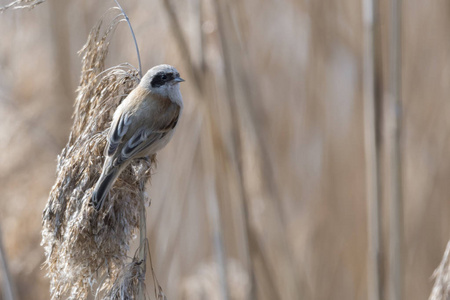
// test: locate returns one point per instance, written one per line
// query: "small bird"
(142, 125)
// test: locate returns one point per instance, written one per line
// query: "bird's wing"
(145, 135)
(118, 130)
(142, 139)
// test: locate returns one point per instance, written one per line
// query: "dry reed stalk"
(246, 123)
(177, 31)
(81, 244)
(214, 214)
(395, 153)
(9, 289)
(213, 202)
(228, 147)
(236, 142)
(372, 155)
(20, 4)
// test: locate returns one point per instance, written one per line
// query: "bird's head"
(162, 80)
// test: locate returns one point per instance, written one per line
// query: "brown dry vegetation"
(272, 132)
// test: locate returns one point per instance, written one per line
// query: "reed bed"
(265, 178)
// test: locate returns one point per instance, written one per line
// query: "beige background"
(297, 70)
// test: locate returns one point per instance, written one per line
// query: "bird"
(141, 125)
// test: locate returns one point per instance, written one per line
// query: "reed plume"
(20, 4)
(86, 249)
(441, 288)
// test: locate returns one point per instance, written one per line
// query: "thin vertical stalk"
(134, 37)
(252, 118)
(142, 244)
(214, 212)
(213, 202)
(237, 146)
(199, 36)
(396, 201)
(182, 43)
(9, 291)
(373, 195)
(59, 29)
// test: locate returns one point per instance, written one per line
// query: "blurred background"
(263, 186)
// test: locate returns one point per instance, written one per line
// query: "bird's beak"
(178, 79)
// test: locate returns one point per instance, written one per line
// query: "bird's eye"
(164, 77)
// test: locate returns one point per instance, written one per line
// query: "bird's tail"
(104, 184)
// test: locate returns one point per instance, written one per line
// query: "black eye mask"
(161, 78)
